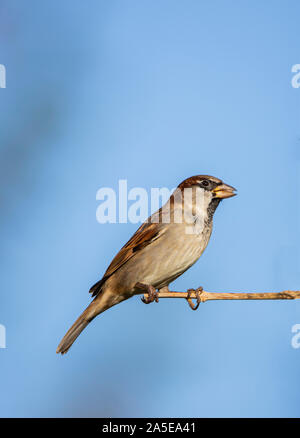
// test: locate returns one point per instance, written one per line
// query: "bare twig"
(208, 296)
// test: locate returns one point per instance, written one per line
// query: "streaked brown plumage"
(162, 249)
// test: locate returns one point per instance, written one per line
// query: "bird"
(168, 243)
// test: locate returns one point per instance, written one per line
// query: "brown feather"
(145, 234)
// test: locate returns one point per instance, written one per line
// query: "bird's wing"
(145, 235)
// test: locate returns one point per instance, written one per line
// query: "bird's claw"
(198, 297)
(150, 291)
(152, 296)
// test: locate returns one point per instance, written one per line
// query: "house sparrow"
(164, 247)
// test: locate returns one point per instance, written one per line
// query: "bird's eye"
(205, 183)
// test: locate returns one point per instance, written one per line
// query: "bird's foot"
(150, 291)
(198, 297)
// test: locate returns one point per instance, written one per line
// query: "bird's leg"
(164, 289)
(198, 297)
(150, 290)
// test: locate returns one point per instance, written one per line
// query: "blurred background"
(152, 92)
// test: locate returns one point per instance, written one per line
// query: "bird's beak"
(224, 191)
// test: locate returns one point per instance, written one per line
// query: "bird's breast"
(166, 258)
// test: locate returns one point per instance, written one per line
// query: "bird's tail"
(79, 325)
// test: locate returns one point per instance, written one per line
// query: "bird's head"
(208, 189)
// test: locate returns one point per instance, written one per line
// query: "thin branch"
(208, 296)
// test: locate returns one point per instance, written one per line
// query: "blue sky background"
(151, 92)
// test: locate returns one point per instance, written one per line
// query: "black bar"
(137, 426)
